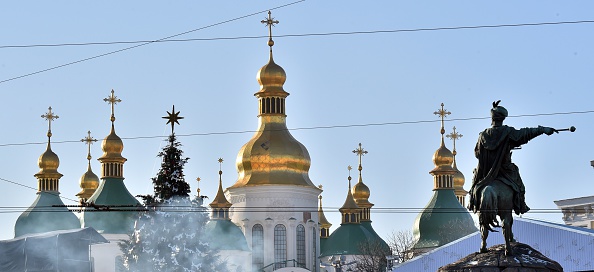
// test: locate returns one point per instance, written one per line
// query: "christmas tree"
(169, 234)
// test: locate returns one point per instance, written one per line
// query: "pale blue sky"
(333, 80)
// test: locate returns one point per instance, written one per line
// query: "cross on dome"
(112, 100)
(88, 141)
(359, 152)
(454, 136)
(442, 113)
(49, 116)
(270, 22)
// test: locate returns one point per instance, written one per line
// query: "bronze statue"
(496, 186)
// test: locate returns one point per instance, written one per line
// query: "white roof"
(572, 247)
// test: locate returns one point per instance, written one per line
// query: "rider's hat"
(498, 113)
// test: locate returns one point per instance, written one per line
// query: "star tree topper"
(172, 118)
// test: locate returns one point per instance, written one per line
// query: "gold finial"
(320, 186)
(270, 22)
(172, 117)
(442, 113)
(220, 160)
(360, 152)
(198, 190)
(49, 116)
(454, 136)
(349, 168)
(112, 100)
(88, 141)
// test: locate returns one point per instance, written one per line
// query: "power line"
(315, 127)
(164, 40)
(26, 186)
(146, 43)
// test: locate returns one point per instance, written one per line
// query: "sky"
(376, 89)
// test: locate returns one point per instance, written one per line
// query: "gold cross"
(442, 113)
(454, 136)
(173, 118)
(88, 141)
(270, 22)
(349, 168)
(112, 100)
(360, 152)
(49, 116)
(220, 160)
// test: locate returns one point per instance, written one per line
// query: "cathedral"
(268, 220)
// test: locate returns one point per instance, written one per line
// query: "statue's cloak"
(493, 153)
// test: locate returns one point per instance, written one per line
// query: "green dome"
(111, 192)
(347, 240)
(228, 235)
(44, 215)
(443, 220)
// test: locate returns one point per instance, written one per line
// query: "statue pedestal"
(524, 259)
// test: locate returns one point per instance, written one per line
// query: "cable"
(19, 184)
(315, 127)
(298, 35)
(146, 43)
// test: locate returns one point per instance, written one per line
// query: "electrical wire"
(298, 35)
(315, 127)
(146, 43)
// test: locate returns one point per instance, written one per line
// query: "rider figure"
(493, 150)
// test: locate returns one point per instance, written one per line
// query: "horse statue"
(496, 199)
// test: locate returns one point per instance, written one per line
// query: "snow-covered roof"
(572, 247)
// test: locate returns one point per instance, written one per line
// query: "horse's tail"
(488, 209)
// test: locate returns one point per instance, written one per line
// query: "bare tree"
(402, 245)
(373, 256)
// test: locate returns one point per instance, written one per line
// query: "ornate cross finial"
(360, 152)
(112, 100)
(454, 136)
(49, 116)
(172, 117)
(442, 113)
(270, 22)
(88, 141)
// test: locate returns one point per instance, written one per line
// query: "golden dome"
(273, 157)
(360, 191)
(443, 156)
(271, 78)
(459, 179)
(48, 161)
(112, 147)
(88, 183)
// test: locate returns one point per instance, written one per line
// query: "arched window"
(280, 246)
(300, 246)
(257, 247)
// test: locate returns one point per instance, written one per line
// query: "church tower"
(89, 181)
(47, 213)
(444, 219)
(274, 199)
(104, 211)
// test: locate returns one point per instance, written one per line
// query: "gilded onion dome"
(272, 156)
(112, 147)
(48, 162)
(459, 179)
(88, 181)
